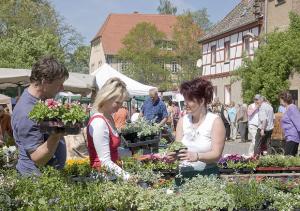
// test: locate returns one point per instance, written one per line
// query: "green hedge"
(55, 191)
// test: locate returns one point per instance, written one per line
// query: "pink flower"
(51, 103)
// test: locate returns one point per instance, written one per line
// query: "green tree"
(142, 54)
(201, 18)
(268, 73)
(79, 60)
(23, 47)
(38, 19)
(166, 7)
(186, 34)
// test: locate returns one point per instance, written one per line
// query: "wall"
(97, 57)
(236, 50)
(295, 84)
(236, 89)
(278, 15)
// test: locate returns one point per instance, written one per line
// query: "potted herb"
(53, 116)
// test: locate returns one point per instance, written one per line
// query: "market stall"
(134, 88)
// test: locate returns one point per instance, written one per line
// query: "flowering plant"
(51, 110)
(237, 162)
(142, 128)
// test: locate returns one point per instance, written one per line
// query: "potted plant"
(53, 116)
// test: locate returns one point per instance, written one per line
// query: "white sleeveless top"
(197, 140)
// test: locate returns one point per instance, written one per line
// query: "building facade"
(224, 46)
(108, 40)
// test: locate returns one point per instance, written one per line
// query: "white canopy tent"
(134, 88)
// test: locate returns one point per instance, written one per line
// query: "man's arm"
(165, 115)
(45, 152)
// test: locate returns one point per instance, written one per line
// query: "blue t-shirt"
(154, 112)
(232, 114)
(28, 137)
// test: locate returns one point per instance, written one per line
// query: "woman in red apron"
(102, 135)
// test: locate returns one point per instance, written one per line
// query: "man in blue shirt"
(37, 149)
(154, 109)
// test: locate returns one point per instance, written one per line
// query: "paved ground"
(235, 147)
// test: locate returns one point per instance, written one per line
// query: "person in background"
(281, 109)
(135, 114)
(154, 109)
(242, 121)
(121, 116)
(265, 126)
(200, 131)
(290, 123)
(170, 115)
(253, 122)
(176, 113)
(216, 106)
(102, 135)
(232, 118)
(5, 126)
(226, 121)
(37, 149)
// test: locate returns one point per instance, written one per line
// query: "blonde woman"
(103, 138)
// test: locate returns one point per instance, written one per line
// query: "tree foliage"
(268, 73)
(186, 34)
(166, 7)
(201, 18)
(141, 52)
(79, 60)
(42, 31)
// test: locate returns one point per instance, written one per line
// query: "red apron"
(114, 143)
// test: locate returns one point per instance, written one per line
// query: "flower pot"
(131, 137)
(226, 171)
(51, 127)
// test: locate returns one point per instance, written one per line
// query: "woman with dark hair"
(290, 123)
(200, 131)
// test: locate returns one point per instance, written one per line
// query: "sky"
(87, 16)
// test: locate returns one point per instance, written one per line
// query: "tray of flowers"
(53, 116)
(230, 164)
(140, 133)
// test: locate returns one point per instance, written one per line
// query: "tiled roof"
(117, 26)
(241, 15)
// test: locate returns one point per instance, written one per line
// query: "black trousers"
(227, 129)
(243, 130)
(262, 142)
(291, 148)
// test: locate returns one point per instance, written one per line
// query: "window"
(246, 45)
(215, 92)
(227, 94)
(109, 59)
(213, 55)
(227, 51)
(174, 67)
(279, 2)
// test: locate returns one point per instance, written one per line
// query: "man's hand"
(262, 132)
(188, 155)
